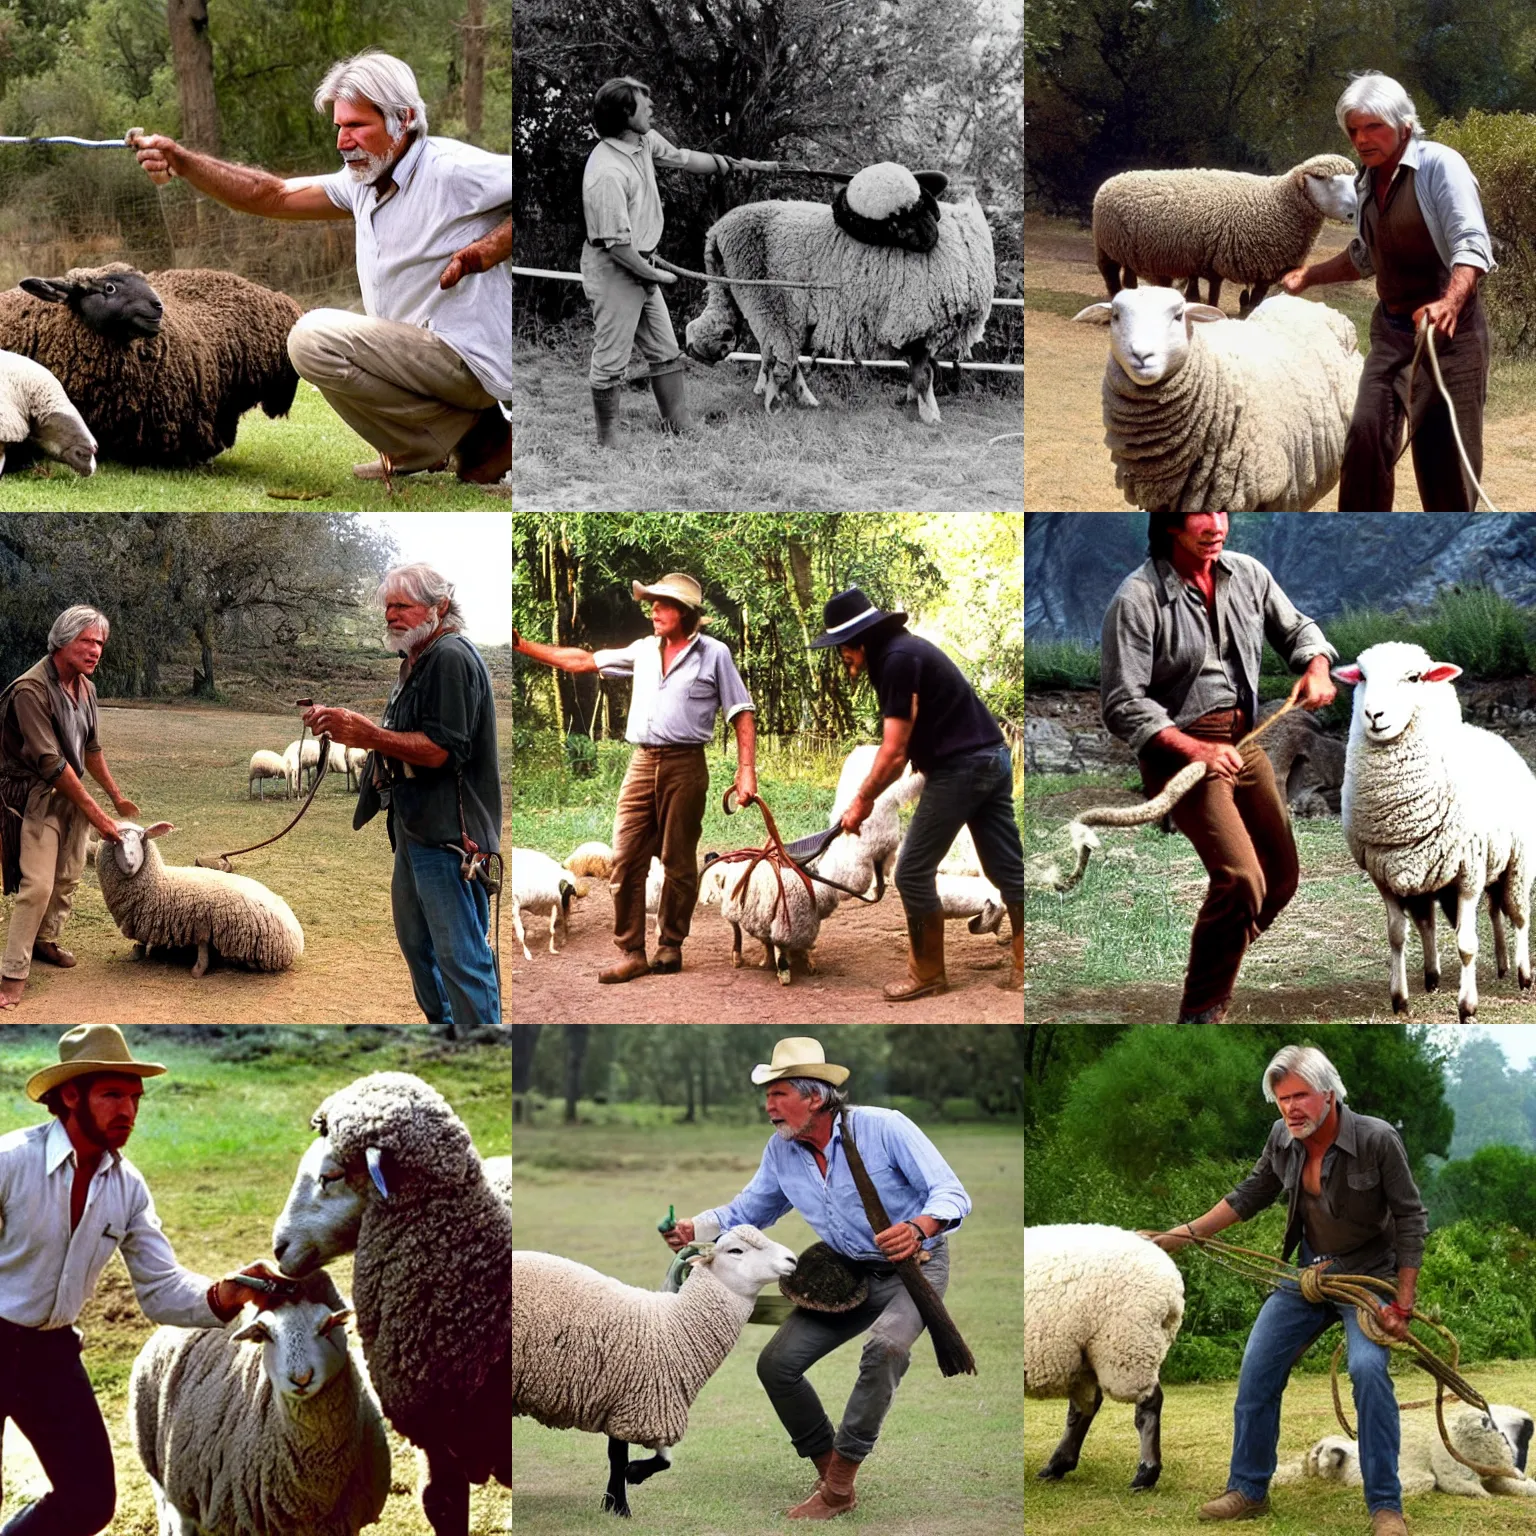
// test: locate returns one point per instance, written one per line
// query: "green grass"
(303, 460)
(1060, 664)
(948, 1457)
(218, 1140)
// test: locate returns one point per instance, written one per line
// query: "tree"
(474, 29)
(1493, 1186)
(192, 50)
(576, 1038)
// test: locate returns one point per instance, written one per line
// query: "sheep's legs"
(616, 1497)
(1466, 945)
(1080, 1416)
(1422, 910)
(803, 390)
(445, 1496)
(556, 924)
(1397, 937)
(203, 957)
(517, 928)
(736, 946)
(1149, 1424)
(1500, 947)
(638, 1471)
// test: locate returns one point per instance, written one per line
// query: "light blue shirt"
(1446, 191)
(908, 1172)
(678, 709)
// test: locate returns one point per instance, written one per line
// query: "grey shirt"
(1156, 634)
(678, 709)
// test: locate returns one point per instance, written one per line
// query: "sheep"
(962, 858)
(394, 1178)
(357, 760)
(264, 766)
(153, 903)
(591, 1353)
(869, 856)
(1231, 417)
(1217, 224)
(1102, 1306)
(302, 760)
(498, 1175)
(874, 300)
(786, 925)
(595, 859)
(539, 883)
(246, 1441)
(38, 417)
(1435, 809)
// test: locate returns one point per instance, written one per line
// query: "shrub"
(1481, 1279)
(1496, 1185)
(1477, 629)
(1060, 664)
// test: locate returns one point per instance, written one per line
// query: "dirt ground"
(860, 949)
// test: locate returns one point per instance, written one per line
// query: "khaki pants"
(52, 859)
(399, 386)
(626, 313)
(660, 813)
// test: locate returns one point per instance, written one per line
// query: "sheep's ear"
(254, 1332)
(1095, 314)
(1349, 674)
(1441, 672)
(1204, 312)
(335, 1320)
(51, 290)
(159, 829)
(375, 1159)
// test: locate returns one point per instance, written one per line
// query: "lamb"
(591, 1353)
(37, 416)
(890, 301)
(394, 1178)
(539, 883)
(264, 766)
(595, 859)
(1435, 809)
(1101, 1308)
(1230, 417)
(786, 925)
(245, 1441)
(1217, 224)
(356, 761)
(161, 366)
(171, 905)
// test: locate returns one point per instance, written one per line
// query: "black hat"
(848, 615)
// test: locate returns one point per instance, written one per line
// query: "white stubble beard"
(367, 168)
(408, 639)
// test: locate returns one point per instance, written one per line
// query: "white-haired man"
(1352, 1206)
(432, 767)
(419, 374)
(48, 744)
(1420, 231)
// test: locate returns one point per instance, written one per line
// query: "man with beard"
(432, 767)
(69, 1199)
(1352, 1207)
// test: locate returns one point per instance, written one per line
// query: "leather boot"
(632, 965)
(925, 967)
(1014, 980)
(821, 1463)
(834, 1493)
(668, 385)
(605, 408)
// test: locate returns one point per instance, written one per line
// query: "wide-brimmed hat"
(675, 586)
(799, 1056)
(850, 614)
(90, 1048)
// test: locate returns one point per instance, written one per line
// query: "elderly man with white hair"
(48, 744)
(1420, 232)
(419, 374)
(432, 768)
(1352, 1206)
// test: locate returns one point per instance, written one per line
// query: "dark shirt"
(1409, 271)
(43, 727)
(1375, 1219)
(951, 719)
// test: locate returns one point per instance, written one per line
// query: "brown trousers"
(660, 812)
(53, 834)
(1242, 832)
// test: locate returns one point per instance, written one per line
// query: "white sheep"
(594, 859)
(1203, 413)
(247, 1441)
(1217, 224)
(1435, 809)
(869, 858)
(37, 416)
(591, 1353)
(785, 924)
(302, 761)
(540, 884)
(357, 758)
(1102, 1306)
(264, 766)
(153, 903)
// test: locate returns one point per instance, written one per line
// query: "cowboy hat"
(799, 1056)
(848, 614)
(90, 1048)
(675, 587)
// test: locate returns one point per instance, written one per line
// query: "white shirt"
(677, 709)
(47, 1273)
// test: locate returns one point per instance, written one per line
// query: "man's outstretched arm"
(241, 187)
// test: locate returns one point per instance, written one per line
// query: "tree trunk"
(575, 1054)
(524, 1038)
(192, 52)
(474, 68)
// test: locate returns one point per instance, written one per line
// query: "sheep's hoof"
(736, 960)
(612, 1505)
(1431, 981)
(1399, 1005)
(1465, 1014)
(201, 967)
(1145, 1479)
(1524, 979)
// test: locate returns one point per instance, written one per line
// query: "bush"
(1495, 1186)
(1060, 664)
(1477, 629)
(1481, 1281)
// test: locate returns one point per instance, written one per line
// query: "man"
(69, 1199)
(805, 1168)
(1353, 1208)
(419, 373)
(1178, 683)
(932, 717)
(682, 677)
(1420, 231)
(622, 208)
(48, 744)
(433, 769)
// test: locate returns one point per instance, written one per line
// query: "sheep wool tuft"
(883, 189)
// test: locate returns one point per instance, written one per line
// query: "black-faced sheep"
(163, 366)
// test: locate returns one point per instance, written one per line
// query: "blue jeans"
(440, 921)
(1285, 1327)
(974, 790)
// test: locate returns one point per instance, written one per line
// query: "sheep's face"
(323, 1214)
(1333, 196)
(303, 1346)
(1150, 330)
(65, 437)
(1518, 1428)
(712, 336)
(745, 1261)
(117, 304)
(1393, 682)
(132, 851)
(1332, 1458)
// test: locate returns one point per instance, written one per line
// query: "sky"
(1518, 1041)
(473, 550)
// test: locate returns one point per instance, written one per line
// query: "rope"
(734, 282)
(65, 138)
(772, 851)
(1427, 332)
(221, 860)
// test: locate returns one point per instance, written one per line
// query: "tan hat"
(676, 587)
(799, 1056)
(90, 1048)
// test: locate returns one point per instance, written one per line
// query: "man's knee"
(1241, 890)
(774, 1370)
(313, 344)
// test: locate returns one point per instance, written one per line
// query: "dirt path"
(861, 948)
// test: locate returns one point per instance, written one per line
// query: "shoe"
(821, 1463)
(50, 953)
(834, 1493)
(925, 966)
(374, 469)
(1014, 980)
(668, 960)
(1215, 1014)
(669, 386)
(1388, 1522)
(633, 964)
(484, 453)
(1234, 1505)
(605, 412)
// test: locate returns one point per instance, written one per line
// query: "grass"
(218, 1140)
(948, 1458)
(303, 459)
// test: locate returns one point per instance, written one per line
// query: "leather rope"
(773, 852)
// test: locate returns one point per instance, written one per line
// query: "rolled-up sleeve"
(1452, 192)
(1409, 1217)
(732, 690)
(1261, 1188)
(1293, 634)
(167, 1292)
(1125, 669)
(617, 661)
(924, 1168)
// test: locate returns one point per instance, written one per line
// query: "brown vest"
(1409, 271)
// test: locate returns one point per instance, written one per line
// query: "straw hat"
(90, 1048)
(675, 586)
(799, 1056)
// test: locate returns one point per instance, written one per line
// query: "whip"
(1427, 333)
(69, 138)
(734, 282)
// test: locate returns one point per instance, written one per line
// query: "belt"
(673, 746)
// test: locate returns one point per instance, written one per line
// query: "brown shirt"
(1409, 271)
(43, 728)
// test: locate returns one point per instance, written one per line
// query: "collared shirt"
(1155, 636)
(1448, 198)
(619, 198)
(45, 727)
(951, 719)
(447, 195)
(909, 1174)
(1375, 1215)
(48, 1272)
(677, 710)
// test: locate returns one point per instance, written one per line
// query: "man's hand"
(231, 1295)
(461, 263)
(1222, 760)
(345, 726)
(898, 1242)
(1441, 314)
(857, 814)
(1391, 1324)
(125, 808)
(517, 640)
(680, 1236)
(1296, 280)
(1169, 1242)
(746, 782)
(751, 165)
(157, 154)
(1315, 687)
(105, 826)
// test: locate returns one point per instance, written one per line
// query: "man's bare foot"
(11, 988)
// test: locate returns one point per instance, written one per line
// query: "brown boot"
(834, 1493)
(633, 964)
(1014, 980)
(52, 953)
(925, 966)
(1233, 1505)
(821, 1463)
(1388, 1522)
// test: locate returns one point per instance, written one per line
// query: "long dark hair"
(1160, 531)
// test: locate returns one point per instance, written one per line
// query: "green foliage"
(1481, 1279)
(1496, 1185)
(1060, 664)
(1493, 1103)
(1480, 631)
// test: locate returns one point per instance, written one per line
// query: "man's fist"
(460, 264)
(156, 153)
(680, 1236)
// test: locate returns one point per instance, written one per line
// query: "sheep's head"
(303, 1339)
(1150, 330)
(1393, 684)
(711, 336)
(114, 301)
(1332, 1458)
(744, 1261)
(1329, 184)
(132, 851)
(63, 435)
